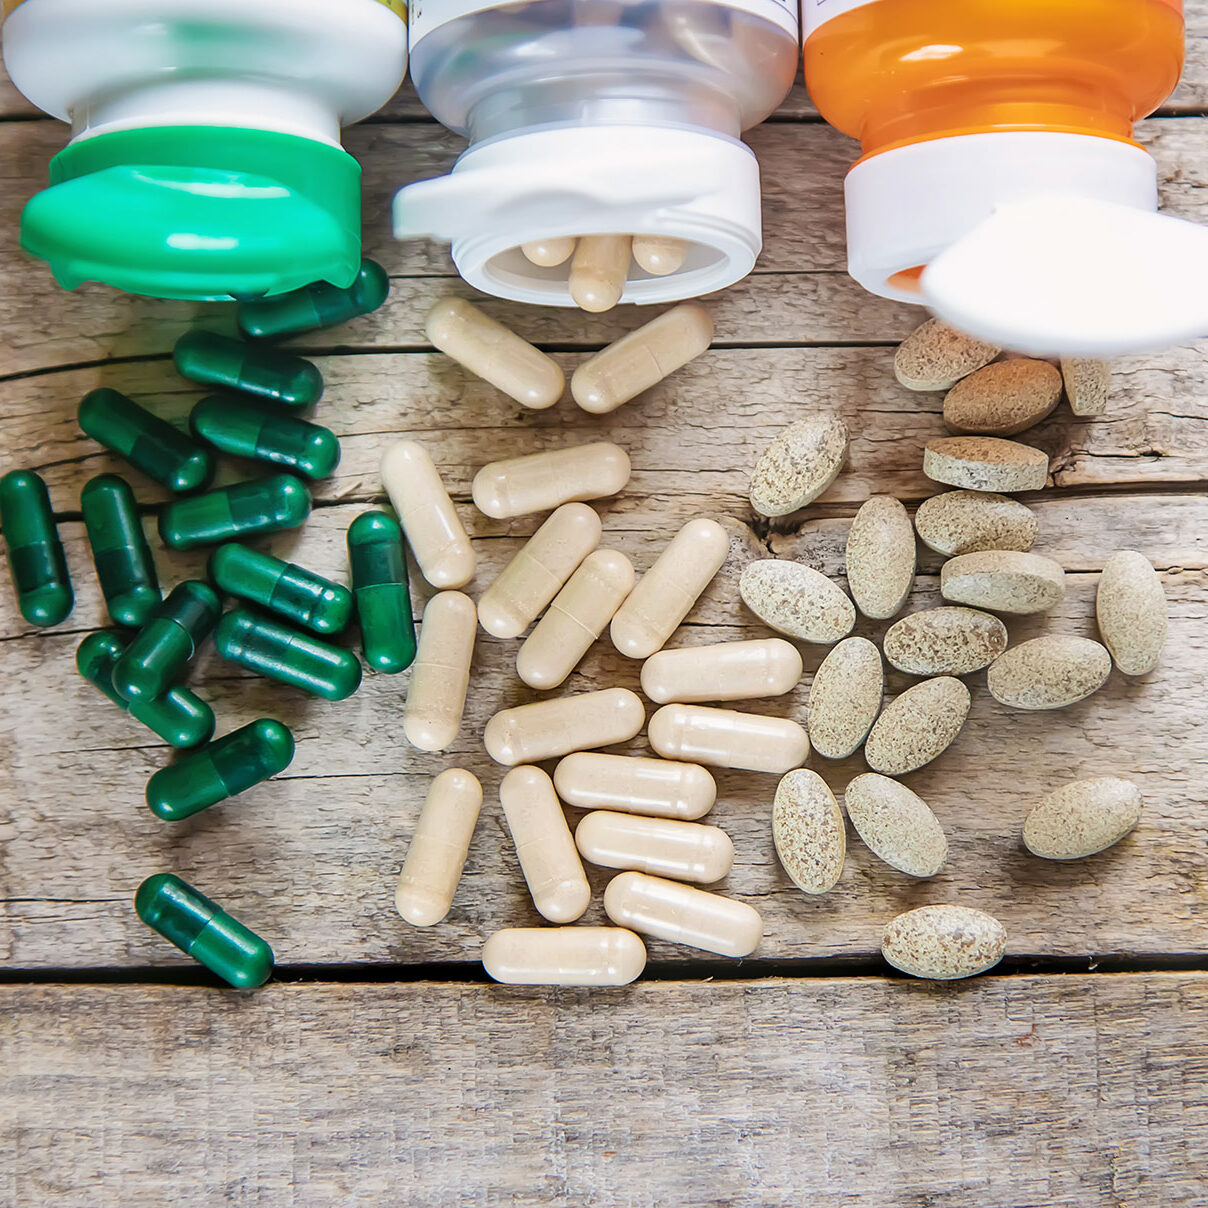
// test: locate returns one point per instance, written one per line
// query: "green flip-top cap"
(199, 212)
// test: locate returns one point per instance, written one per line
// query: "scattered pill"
(314, 306)
(797, 600)
(658, 788)
(36, 560)
(223, 769)
(967, 522)
(284, 588)
(540, 481)
(1130, 606)
(808, 831)
(725, 671)
(664, 847)
(434, 532)
(1003, 581)
(945, 641)
(845, 698)
(1083, 818)
(725, 738)
(799, 464)
(1003, 399)
(659, 255)
(917, 726)
(936, 357)
(124, 564)
(599, 270)
(642, 359)
(1049, 672)
(214, 360)
(880, 558)
(1086, 385)
(438, 848)
(985, 463)
(548, 858)
(666, 593)
(549, 728)
(382, 592)
(896, 825)
(564, 956)
(204, 931)
(264, 432)
(943, 943)
(265, 505)
(159, 653)
(549, 253)
(440, 675)
(495, 353)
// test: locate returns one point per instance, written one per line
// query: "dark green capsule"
(204, 931)
(159, 653)
(265, 505)
(383, 597)
(123, 560)
(214, 360)
(291, 591)
(148, 443)
(251, 428)
(313, 306)
(179, 717)
(270, 648)
(35, 553)
(224, 769)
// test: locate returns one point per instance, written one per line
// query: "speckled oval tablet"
(1004, 398)
(1003, 581)
(845, 698)
(880, 557)
(917, 726)
(799, 464)
(808, 831)
(943, 943)
(985, 463)
(1080, 819)
(965, 522)
(936, 357)
(796, 600)
(1049, 672)
(1086, 385)
(945, 641)
(1130, 606)
(896, 824)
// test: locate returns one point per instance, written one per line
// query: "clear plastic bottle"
(598, 117)
(205, 157)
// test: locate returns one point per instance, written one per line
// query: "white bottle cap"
(574, 180)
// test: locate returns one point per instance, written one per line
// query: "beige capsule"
(663, 847)
(943, 943)
(1130, 606)
(1003, 581)
(896, 825)
(539, 570)
(659, 255)
(936, 357)
(434, 533)
(845, 698)
(808, 831)
(683, 914)
(1086, 385)
(880, 557)
(549, 728)
(642, 359)
(575, 619)
(796, 600)
(658, 788)
(495, 353)
(549, 253)
(945, 641)
(666, 593)
(725, 671)
(599, 270)
(540, 481)
(564, 956)
(440, 675)
(1049, 672)
(1003, 399)
(799, 464)
(985, 463)
(1080, 819)
(438, 848)
(544, 846)
(917, 726)
(725, 738)
(966, 522)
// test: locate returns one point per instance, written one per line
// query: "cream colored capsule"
(440, 675)
(550, 728)
(434, 533)
(540, 481)
(599, 270)
(682, 914)
(575, 619)
(667, 591)
(683, 851)
(658, 788)
(642, 359)
(724, 738)
(438, 848)
(551, 865)
(725, 671)
(538, 571)
(495, 353)
(564, 956)
(659, 255)
(549, 253)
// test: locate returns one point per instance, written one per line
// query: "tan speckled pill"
(663, 847)
(725, 671)
(440, 675)
(683, 914)
(917, 726)
(599, 270)
(564, 956)
(1003, 399)
(438, 848)
(434, 533)
(1080, 819)
(540, 481)
(796, 600)
(799, 464)
(549, 253)
(985, 463)
(725, 738)
(1130, 606)
(1049, 672)
(936, 357)
(896, 825)
(575, 619)
(642, 358)
(666, 593)
(966, 522)
(547, 854)
(549, 728)
(808, 831)
(845, 698)
(943, 943)
(539, 570)
(1003, 581)
(659, 255)
(945, 641)
(1086, 385)
(658, 788)
(495, 353)
(880, 557)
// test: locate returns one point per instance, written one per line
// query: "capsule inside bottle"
(599, 271)
(564, 956)
(659, 255)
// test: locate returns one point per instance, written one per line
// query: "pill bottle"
(598, 117)
(205, 158)
(1018, 109)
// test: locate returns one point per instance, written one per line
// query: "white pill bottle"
(205, 158)
(593, 117)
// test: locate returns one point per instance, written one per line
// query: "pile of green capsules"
(286, 617)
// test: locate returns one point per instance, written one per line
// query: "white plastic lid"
(692, 185)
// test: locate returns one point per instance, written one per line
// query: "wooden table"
(378, 1067)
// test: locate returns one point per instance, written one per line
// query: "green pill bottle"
(291, 591)
(35, 553)
(268, 373)
(266, 505)
(123, 560)
(262, 431)
(382, 593)
(161, 650)
(315, 306)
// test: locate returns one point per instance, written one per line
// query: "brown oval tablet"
(1049, 672)
(943, 943)
(796, 600)
(1086, 385)
(1004, 398)
(985, 463)
(808, 831)
(799, 464)
(845, 698)
(936, 357)
(945, 641)
(1082, 818)
(917, 726)
(1131, 609)
(880, 557)
(966, 522)
(1003, 581)
(896, 824)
